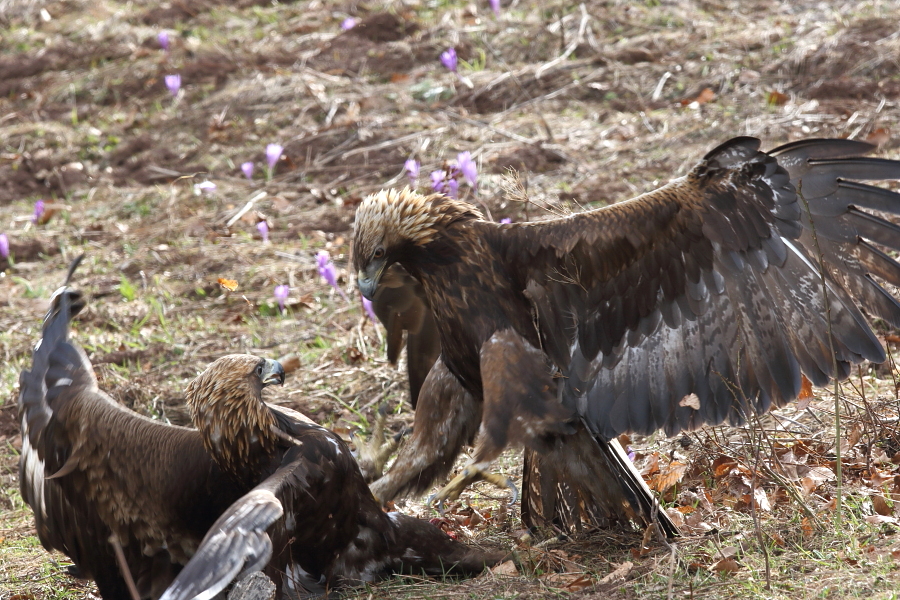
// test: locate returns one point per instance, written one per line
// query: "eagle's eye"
(259, 371)
(379, 253)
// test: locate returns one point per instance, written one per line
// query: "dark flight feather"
(711, 285)
(401, 306)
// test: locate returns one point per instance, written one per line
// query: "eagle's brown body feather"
(707, 286)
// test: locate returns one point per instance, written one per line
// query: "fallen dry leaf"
(618, 574)
(854, 435)
(879, 456)
(705, 95)
(726, 565)
(880, 505)
(806, 527)
(880, 519)
(809, 485)
(879, 478)
(722, 466)
(666, 479)
(691, 400)
(762, 499)
(290, 362)
(806, 391)
(507, 568)
(728, 552)
(879, 137)
(652, 466)
(228, 284)
(776, 98)
(572, 582)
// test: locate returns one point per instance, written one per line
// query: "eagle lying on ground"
(560, 335)
(257, 487)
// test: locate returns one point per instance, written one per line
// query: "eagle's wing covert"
(711, 285)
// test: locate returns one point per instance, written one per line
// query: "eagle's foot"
(374, 453)
(469, 475)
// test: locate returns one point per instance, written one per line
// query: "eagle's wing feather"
(711, 285)
(401, 306)
(237, 542)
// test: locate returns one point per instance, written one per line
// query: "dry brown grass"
(85, 121)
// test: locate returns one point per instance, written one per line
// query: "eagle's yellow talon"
(468, 476)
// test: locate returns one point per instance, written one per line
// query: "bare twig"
(570, 48)
(123, 567)
(246, 208)
(754, 508)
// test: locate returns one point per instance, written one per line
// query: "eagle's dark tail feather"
(583, 483)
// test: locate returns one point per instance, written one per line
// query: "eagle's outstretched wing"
(713, 285)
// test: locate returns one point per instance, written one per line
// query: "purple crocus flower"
(163, 38)
(247, 168)
(281, 295)
(631, 454)
(263, 229)
(327, 271)
(204, 187)
(348, 23)
(495, 6)
(38, 211)
(273, 153)
(4, 246)
(367, 304)
(506, 220)
(173, 83)
(468, 168)
(437, 180)
(449, 60)
(453, 189)
(412, 171)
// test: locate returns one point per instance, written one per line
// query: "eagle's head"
(392, 224)
(226, 406)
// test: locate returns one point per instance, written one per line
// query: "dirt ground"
(591, 103)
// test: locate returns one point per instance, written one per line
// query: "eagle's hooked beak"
(367, 279)
(273, 372)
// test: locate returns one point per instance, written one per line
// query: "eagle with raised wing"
(254, 487)
(560, 335)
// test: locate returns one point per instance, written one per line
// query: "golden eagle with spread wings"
(726, 284)
(255, 486)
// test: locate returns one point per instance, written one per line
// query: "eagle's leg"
(374, 454)
(469, 475)
(447, 418)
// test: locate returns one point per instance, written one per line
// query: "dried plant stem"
(672, 563)
(123, 567)
(754, 509)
